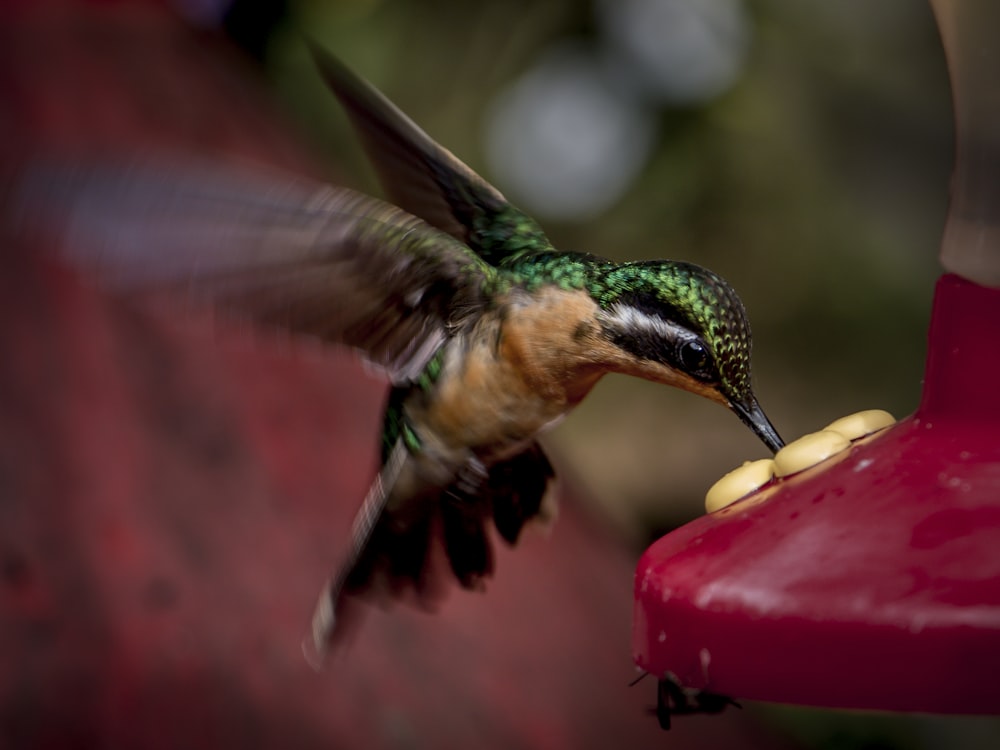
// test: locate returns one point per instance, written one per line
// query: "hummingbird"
(488, 335)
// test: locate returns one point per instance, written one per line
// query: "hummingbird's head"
(681, 324)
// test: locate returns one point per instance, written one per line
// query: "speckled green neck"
(679, 292)
(684, 293)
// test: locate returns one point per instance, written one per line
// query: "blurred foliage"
(870, 730)
(817, 185)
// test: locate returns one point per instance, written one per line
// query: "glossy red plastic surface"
(870, 581)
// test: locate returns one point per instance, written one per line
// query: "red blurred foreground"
(173, 495)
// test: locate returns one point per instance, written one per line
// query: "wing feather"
(281, 251)
(416, 172)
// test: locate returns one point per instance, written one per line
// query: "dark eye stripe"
(648, 336)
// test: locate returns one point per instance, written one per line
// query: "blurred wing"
(288, 253)
(422, 176)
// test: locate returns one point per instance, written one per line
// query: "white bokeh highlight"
(562, 142)
(681, 51)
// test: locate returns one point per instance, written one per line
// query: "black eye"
(693, 357)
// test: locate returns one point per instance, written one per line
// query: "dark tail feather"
(393, 552)
(327, 626)
(518, 487)
(397, 560)
(514, 491)
(466, 540)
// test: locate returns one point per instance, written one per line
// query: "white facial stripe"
(629, 318)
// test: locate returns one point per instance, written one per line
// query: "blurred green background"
(800, 148)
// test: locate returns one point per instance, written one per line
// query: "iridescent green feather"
(694, 296)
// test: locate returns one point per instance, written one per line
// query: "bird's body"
(553, 325)
(521, 368)
(488, 334)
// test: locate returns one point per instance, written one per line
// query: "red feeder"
(871, 580)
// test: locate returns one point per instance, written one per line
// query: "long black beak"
(755, 418)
